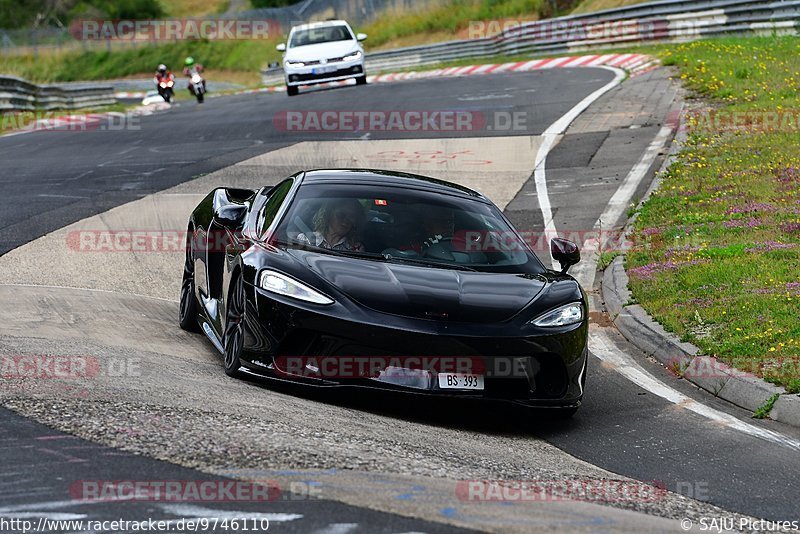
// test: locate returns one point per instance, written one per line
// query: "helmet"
(189, 61)
(162, 68)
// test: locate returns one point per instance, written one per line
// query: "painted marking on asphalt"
(69, 458)
(549, 137)
(47, 505)
(43, 515)
(607, 350)
(337, 528)
(585, 274)
(89, 289)
(498, 166)
(198, 512)
(585, 271)
(46, 195)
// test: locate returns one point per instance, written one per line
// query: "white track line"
(93, 290)
(584, 272)
(549, 137)
(606, 349)
(599, 343)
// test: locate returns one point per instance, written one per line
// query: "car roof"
(319, 24)
(385, 177)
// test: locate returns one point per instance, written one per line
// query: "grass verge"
(443, 23)
(21, 120)
(234, 56)
(717, 255)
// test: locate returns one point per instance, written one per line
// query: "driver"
(336, 225)
(439, 224)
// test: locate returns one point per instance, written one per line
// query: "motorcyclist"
(163, 74)
(191, 68)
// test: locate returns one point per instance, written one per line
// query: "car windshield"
(401, 225)
(323, 34)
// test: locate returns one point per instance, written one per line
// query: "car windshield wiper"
(333, 252)
(376, 256)
(429, 263)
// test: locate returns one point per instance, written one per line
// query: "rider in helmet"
(163, 74)
(191, 68)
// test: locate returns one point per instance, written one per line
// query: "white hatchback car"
(322, 52)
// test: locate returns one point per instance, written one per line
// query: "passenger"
(336, 225)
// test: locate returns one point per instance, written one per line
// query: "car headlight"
(281, 284)
(294, 63)
(562, 316)
(354, 55)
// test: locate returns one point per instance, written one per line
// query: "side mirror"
(361, 36)
(564, 252)
(231, 216)
(281, 47)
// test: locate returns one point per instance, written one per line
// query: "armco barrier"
(20, 95)
(667, 20)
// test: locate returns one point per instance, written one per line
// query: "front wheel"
(233, 337)
(291, 90)
(361, 80)
(200, 97)
(187, 318)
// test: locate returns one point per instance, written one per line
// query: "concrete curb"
(738, 387)
(708, 373)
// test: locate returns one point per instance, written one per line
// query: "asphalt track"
(52, 179)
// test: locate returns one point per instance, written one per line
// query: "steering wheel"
(441, 250)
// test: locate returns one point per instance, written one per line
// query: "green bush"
(17, 14)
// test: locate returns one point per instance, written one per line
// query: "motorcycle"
(165, 89)
(198, 87)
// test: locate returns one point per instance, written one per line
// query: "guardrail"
(17, 94)
(662, 21)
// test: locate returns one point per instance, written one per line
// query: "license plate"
(323, 70)
(460, 381)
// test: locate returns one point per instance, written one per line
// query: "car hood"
(315, 52)
(427, 292)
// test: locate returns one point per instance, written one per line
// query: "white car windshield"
(323, 34)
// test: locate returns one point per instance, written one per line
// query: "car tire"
(361, 80)
(188, 306)
(291, 90)
(233, 336)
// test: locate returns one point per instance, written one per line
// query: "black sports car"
(384, 279)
